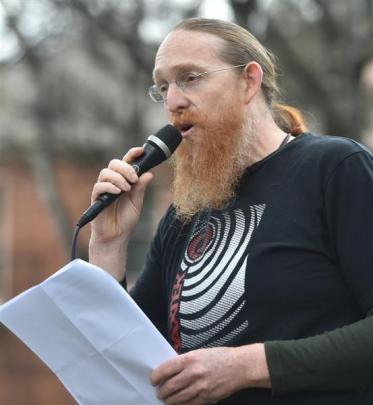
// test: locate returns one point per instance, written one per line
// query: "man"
(260, 274)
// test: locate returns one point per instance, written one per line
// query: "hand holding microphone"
(123, 176)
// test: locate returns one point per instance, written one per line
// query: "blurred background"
(73, 95)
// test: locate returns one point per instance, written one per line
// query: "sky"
(38, 17)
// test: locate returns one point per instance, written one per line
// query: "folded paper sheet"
(91, 334)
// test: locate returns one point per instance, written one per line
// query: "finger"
(143, 182)
(186, 390)
(126, 170)
(184, 398)
(136, 195)
(110, 176)
(171, 388)
(166, 370)
(101, 188)
(195, 401)
(132, 154)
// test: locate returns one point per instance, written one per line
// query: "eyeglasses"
(185, 81)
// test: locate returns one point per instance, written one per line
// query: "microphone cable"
(74, 242)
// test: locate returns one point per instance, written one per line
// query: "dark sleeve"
(343, 358)
(349, 219)
(149, 290)
(334, 361)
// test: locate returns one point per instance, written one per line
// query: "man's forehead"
(182, 47)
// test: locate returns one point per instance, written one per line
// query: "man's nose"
(175, 99)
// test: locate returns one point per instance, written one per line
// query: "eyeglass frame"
(183, 84)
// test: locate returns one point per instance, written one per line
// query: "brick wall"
(30, 240)
(34, 249)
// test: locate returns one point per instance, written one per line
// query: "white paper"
(91, 334)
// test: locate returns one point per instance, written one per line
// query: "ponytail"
(289, 119)
(239, 48)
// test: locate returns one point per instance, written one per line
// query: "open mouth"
(185, 129)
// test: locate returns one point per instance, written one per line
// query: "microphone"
(157, 148)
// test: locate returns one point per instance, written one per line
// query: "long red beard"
(209, 165)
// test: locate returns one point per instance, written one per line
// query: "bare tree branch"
(39, 155)
(306, 76)
(243, 9)
(128, 38)
(329, 25)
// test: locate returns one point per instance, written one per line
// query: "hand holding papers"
(91, 334)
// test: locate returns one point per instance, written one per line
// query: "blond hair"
(242, 47)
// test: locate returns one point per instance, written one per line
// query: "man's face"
(200, 106)
(211, 116)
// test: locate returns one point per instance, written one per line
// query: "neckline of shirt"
(255, 166)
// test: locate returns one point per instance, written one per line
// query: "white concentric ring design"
(213, 291)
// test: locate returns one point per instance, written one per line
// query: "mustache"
(184, 119)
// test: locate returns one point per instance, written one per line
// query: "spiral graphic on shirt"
(213, 279)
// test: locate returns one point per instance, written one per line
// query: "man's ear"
(253, 76)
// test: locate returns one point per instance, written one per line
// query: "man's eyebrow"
(182, 67)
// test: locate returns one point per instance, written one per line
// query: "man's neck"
(268, 136)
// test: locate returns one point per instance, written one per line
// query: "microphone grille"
(170, 136)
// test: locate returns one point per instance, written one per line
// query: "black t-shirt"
(289, 258)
